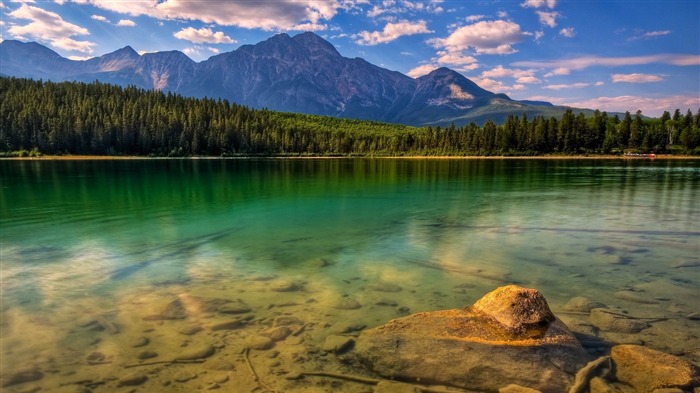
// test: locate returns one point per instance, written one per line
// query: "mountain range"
(303, 74)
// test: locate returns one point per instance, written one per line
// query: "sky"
(601, 54)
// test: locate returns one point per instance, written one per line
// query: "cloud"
(548, 18)
(265, 15)
(126, 23)
(203, 35)
(422, 70)
(496, 86)
(391, 32)
(100, 18)
(528, 80)
(567, 32)
(474, 18)
(580, 63)
(579, 85)
(558, 71)
(485, 37)
(50, 27)
(649, 35)
(650, 106)
(539, 3)
(310, 27)
(200, 51)
(635, 78)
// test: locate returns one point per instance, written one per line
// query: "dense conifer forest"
(98, 119)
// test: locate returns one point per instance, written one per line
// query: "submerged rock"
(22, 376)
(174, 310)
(646, 369)
(509, 336)
(609, 321)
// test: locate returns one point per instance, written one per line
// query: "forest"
(70, 118)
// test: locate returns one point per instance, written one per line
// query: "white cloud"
(580, 63)
(203, 35)
(50, 27)
(599, 84)
(310, 26)
(579, 85)
(391, 32)
(421, 70)
(80, 58)
(485, 37)
(496, 86)
(635, 78)
(200, 51)
(650, 106)
(126, 23)
(539, 3)
(266, 15)
(558, 71)
(567, 32)
(100, 18)
(475, 18)
(548, 18)
(528, 80)
(456, 59)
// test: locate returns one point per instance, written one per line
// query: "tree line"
(101, 119)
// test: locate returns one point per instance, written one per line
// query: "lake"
(110, 264)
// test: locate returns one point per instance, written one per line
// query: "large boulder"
(510, 336)
(646, 369)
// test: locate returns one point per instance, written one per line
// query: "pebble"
(213, 386)
(278, 333)
(386, 302)
(347, 327)
(284, 286)
(261, 343)
(347, 303)
(287, 320)
(295, 340)
(238, 307)
(184, 377)
(263, 277)
(686, 263)
(337, 344)
(293, 376)
(395, 387)
(190, 330)
(196, 353)
(146, 355)
(221, 378)
(140, 342)
(133, 379)
(635, 297)
(608, 322)
(581, 304)
(227, 325)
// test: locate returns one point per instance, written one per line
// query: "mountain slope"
(304, 74)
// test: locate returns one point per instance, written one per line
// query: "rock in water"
(646, 369)
(509, 336)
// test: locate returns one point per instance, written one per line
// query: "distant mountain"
(304, 74)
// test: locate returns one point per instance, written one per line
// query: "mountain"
(304, 74)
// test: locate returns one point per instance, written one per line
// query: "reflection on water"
(108, 264)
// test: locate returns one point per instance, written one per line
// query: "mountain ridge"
(303, 74)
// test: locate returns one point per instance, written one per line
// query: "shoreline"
(549, 157)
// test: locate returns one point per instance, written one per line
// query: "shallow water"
(91, 251)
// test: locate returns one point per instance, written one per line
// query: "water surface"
(91, 251)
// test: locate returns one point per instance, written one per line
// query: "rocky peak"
(316, 45)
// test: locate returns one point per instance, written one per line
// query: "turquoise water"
(116, 241)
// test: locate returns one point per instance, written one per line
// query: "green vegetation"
(100, 119)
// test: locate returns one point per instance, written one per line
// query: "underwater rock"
(228, 325)
(190, 330)
(608, 321)
(632, 296)
(347, 303)
(278, 333)
(337, 344)
(146, 355)
(237, 307)
(384, 287)
(133, 379)
(509, 336)
(512, 388)
(284, 286)
(139, 342)
(581, 304)
(22, 376)
(646, 369)
(174, 310)
(195, 353)
(261, 343)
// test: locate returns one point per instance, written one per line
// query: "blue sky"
(605, 54)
